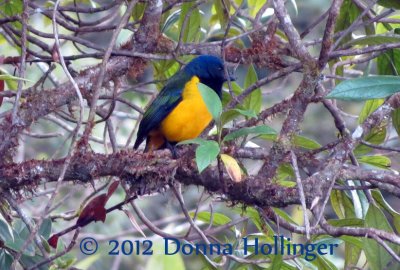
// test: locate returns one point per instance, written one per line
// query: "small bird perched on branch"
(179, 113)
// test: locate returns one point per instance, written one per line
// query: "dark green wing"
(162, 105)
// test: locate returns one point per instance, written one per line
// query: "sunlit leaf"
(377, 161)
(232, 168)
(305, 142)
(369, 107)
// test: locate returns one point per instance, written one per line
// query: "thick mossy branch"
(152, 173)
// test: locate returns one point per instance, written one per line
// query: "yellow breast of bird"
(189, 118)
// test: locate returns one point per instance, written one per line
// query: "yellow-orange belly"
(189, 118)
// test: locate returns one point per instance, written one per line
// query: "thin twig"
(301, 192)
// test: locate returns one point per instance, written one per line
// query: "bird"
(178, 112)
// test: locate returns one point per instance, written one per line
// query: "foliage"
(326, 116)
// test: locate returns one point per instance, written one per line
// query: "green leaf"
(377, 195)
(377, 161)
(228, 116)
(294, 4)
(138, 11)
(366, 88)
(389, 4)
(253, 101)
(65, 261)
(352, 240)
(45, 228)
(236, 89)
(257, 130)
(88, 261)
(233, 113)
(221, 12)
(396, 223)
(160, 261)
(284, 215)
(384, 27)
(305, 142)
(396, 120)
(255, 6)
(323, 263)
(6, 260)
(389, 62)
(369, 107)
(12, 85)
(376, 136)
(6, 233)
(11, 8)
(45, 244)
(171, 20)
(352, 249)
(346, 222)
(299, 141)
(217, 218)
(7, 77)
(247, 113)
(304, 264)
(28, 261)
(277, 261)
(192, 30)
(342, 205)
(374, 40)
(21, 233)
(253, 214)
(206, 153)
(377, 257)
(285, 175)
(286, 266)
(163, 70)
(285, 183)
(211, 100)
(349, 12)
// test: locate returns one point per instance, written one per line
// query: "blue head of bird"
(210, 70)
